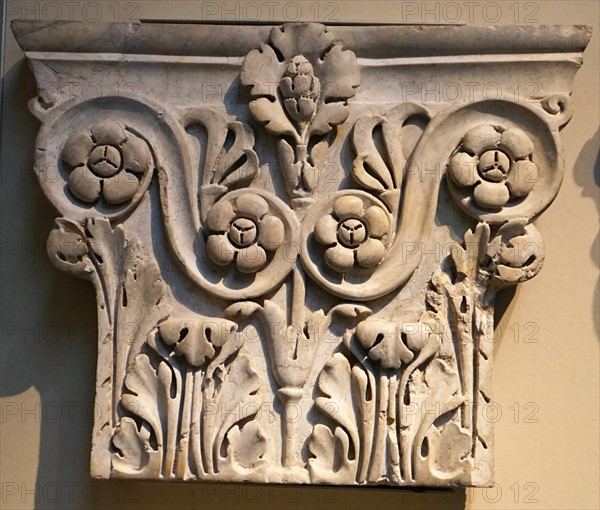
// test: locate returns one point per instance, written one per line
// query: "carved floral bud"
(496, 163)
(197, 340)
(384, 342)
(517, 252)
(394, 344)
(300, 89)
(427, 331)
(242, 232)
(67, 247)
(353, 233)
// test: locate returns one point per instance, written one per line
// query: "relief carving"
(353, 234)
(242, 232)
(497, 163)
(259, 320)
(314, 76)
(105, 163)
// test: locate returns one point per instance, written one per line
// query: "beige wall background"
(547, 367)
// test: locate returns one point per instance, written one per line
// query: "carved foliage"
(377, 423)
(414, 414)
(400, 399)
(292, 350)
(383, 145)
(129, 288)
(315, 77)
(176, 390)
(335, 449)
(224, 154)
(187, 405)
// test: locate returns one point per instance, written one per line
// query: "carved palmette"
(267, 322)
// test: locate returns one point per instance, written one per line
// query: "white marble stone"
(296, 234)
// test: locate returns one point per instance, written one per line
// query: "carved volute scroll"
(296, 281)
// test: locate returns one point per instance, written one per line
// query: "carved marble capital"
(296, 234)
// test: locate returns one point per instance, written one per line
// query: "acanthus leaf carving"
(196, 393)
(314, 77)
(149, 399)
(292, 349)
(336, 403)
(440, 363)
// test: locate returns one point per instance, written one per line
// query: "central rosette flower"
(241, 231)
(353, 234)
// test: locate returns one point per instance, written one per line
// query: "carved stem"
(461, 307)
(392, 439)
(406, 435)
(170, 440)
(106, 322)
(301, 153)
(367, 407)
(406, 438)
(484, 320)
(375, 471)
(290, 397)
(195, 426)
(105, 394)
(298, 298)
(208, 420)
(184, 429)
(304, 138)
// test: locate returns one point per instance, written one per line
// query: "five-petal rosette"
(241, 231)
(497, 163)
(353, 234)
(106, 161)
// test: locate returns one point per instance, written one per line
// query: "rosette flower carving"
(107, 161)
(497, 163)
(241, 231)
(354, 234)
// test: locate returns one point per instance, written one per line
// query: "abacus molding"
(296, 234)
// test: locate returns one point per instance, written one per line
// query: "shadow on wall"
(49, 345)
(587, 175)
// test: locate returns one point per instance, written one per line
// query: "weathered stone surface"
(296, 234)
